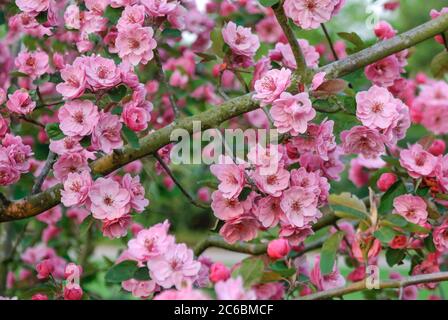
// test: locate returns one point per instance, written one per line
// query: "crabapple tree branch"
(361, 285)
(35, 204)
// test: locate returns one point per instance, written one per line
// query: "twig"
(330, 42)
(45, 170)
(178, 184)
(162, 78)
(32, 121)
(295, 47)
(361, 285)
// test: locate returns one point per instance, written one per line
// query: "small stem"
(45, 170)
(162, 78)
(445, 41)
(178, 184)
(296, 50)
(330, 42)
(32, 121)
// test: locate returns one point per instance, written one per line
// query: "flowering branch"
(45, 170)
(212, 118)
(330, 42)
(292, 39)
(361, 285)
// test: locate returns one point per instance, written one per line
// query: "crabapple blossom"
(440, 236)
(136, 45)
(20, 102)
(106, 134)
(34, 64)
(108, 200)
(136, 191)
(272, 184)
(240, 40)
(231, 177)
(283, 52)
(417, 161)
(300, 206)
(78, 118)
(309, 14)
(76, 189)
(326, 282)
(278, 249)
(232, 289)
(412, 208)
(363, 140)
(292, 113)
(101, 73)
(385, 181)
(175, 266)
(269, 87)
(225, 208)
(241, 228)
(219, 272)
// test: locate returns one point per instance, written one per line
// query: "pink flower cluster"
(309, 14)
(14, 159)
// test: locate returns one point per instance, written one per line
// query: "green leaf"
(429, 244)
(384, 234)
(18, 74)
(217, 42)
(121, 272)
(328, 253)
(415, 228)
(268, 3)
(85, 226)
(54, 132)
(354, 39)
(55, 77)
(118, 93)
(131, 137)
(112, 14)
(205, 56)
(348, 206)
(394, 256)
(386, 204)
(142, 274)
(348, 213)
(282, 269)
(171, 33)
(251, 271)
(396, 220)
(439, 65)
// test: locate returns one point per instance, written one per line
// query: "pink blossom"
(440, 236)
(16, 153)
(272, 184)
(182, 294)
(20, 102)
(51, 216)
(70, 163)
(39, 296)
(78, 117)
(225, 208)
(158, 8)
(385, 181)
(32, 6)
(292, 113)
(136, 45)
(135, 118)
(283, 52)
(34, 255)
(269, 30)
(73, 291)
(67, 145)
(76, 189)
(384, 30)
(231, 177)
(240, 39)
(329, 281)
(50, 232)
(131, 16)
(241, 228)
(75, 80)
(77, 214)
(204, 194)
(108, 199)
(151, 242)
(219, 272)
(312, 182)
(412, 208)
(384, 72)
(299, 206)
(139, 289)
(428, 266)
(278, 248)
(268, 211)
(309, 14)
(44, 269)
(437, 148)
(136, 191)
(295, 235)
(72, 17)
(318, 79)
(174, 267)
(117, 227)
(34, 64)
(232, 289)
(362, 140)
(106, 134)
(357, 173)
(417, 161)
(270, 291)
(271, 85)
(102, 73)
(376, 108)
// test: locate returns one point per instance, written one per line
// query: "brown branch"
(330, 42)
(361, 285)
(45, 171)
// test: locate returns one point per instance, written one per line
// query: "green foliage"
(386, 204)
(131, 137)
(251, 270)
(54, 132)
(329, 251)
(121, 272)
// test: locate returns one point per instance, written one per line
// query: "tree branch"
(45, 170)
(292, 39)
(330, 42)
(361, 285)
(178, 184)
(35, 204)
(386, 47)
